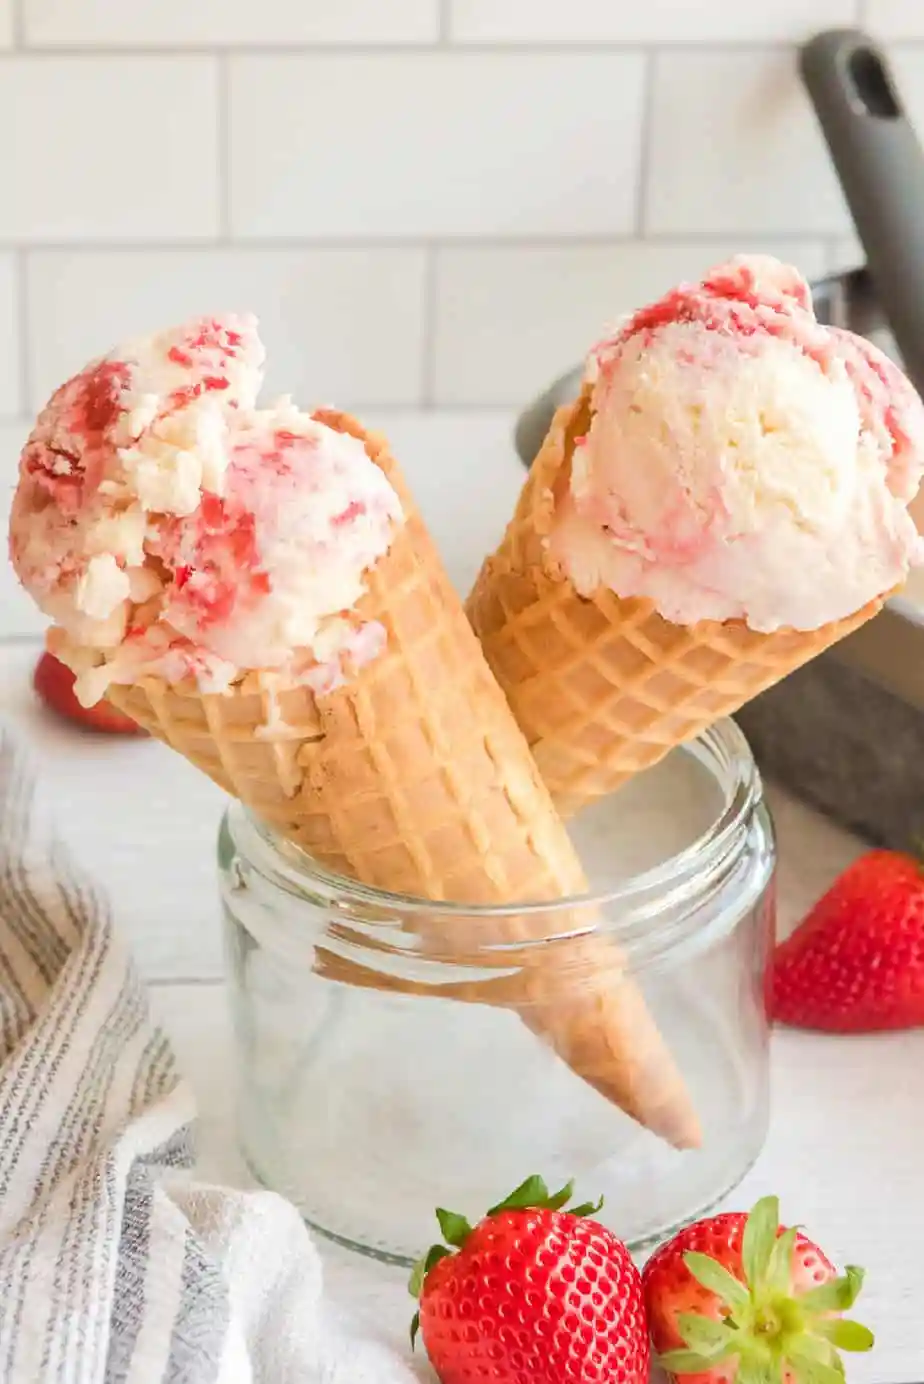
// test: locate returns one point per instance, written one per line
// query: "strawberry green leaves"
(714, 1276)
(846, 1334)
(761, 1320)
(707, 1343)
(816, 1372)
(686, 1361)
(533, 1194)
(778, 1278)
(759, 1238)
(813, 1361)
(455, 1229)
(423, 1266)
(419, 1272)
(586, 1208)
(838, 1295)
(707, 1338)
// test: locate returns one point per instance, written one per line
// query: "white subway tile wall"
(18, 614)
(653, 21)
(491, 342)
(895, 18)
(844, 254)
(338, 323)
(10, 318)
(109, 149)
(435, 144)
(220, 23)
(734, 148)
(430, 203)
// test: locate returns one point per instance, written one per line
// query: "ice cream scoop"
(170, 528)
(743, 461)
(727, 497)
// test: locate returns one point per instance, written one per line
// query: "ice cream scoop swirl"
(743, 461)
(170, 528)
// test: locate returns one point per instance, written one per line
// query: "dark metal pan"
(880, 164)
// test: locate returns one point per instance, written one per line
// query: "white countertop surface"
(844, 1151)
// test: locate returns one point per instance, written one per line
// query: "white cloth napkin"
(116, 1266)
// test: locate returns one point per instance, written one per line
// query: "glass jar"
(382, 1075)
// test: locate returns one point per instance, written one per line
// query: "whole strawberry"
(534, 1294)
(856, 964)
(54, 684)
(736, 1297)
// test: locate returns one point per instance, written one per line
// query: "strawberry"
(856, 963)
(533, 1294)
(738, 1298)
(54, 683)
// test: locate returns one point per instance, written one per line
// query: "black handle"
(880, 164)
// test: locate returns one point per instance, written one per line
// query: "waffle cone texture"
(414, 778)
(603, 687)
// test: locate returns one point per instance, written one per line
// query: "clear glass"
(374, 1082)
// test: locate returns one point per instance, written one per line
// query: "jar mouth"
(722, 751)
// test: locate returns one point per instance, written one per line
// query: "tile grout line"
(23, 331)
(644, 147)
(326, 244)
(517, 48)
(693, 48)
(428, 333)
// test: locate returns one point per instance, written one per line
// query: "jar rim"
(721, 748)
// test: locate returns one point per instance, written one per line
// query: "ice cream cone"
(413, 777)
(601, 686)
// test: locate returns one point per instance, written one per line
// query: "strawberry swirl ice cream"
(743, 461)
(170, 528)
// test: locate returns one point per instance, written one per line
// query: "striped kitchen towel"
(116, 1267)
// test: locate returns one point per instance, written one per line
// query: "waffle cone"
(603, 687)
(414, 778)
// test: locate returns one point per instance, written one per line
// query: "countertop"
(844, 1150)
